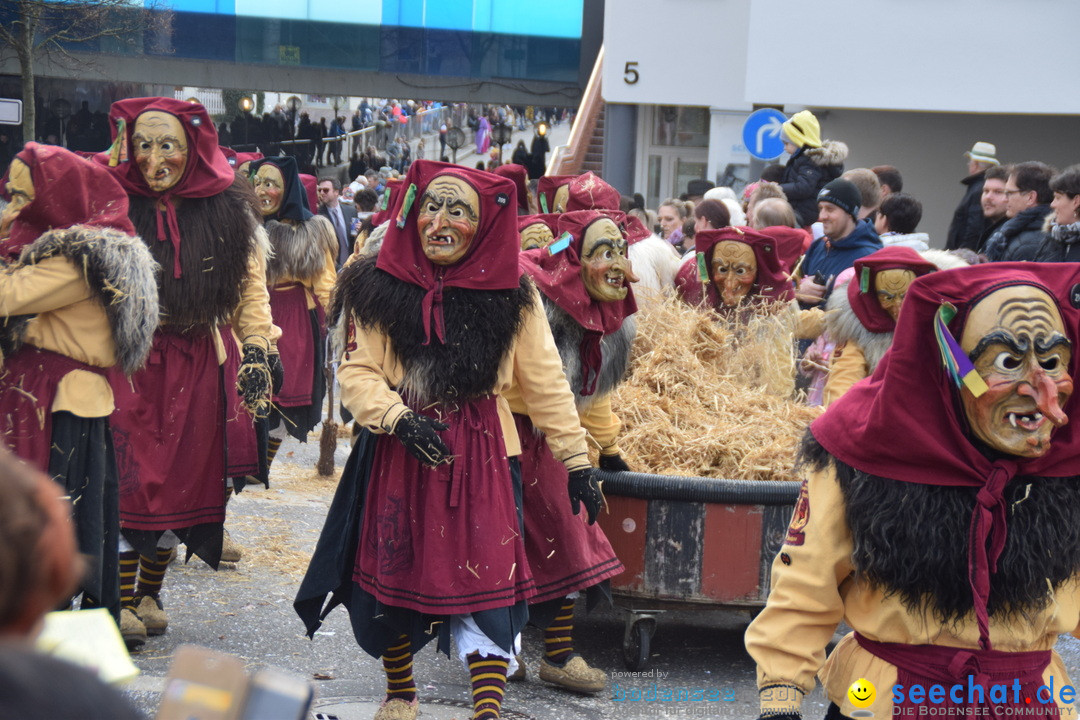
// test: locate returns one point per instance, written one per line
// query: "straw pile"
(706, 398)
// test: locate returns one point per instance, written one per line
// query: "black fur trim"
(217, 238)
(911, 540)
(480, 327)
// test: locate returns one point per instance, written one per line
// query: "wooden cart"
(690, 542)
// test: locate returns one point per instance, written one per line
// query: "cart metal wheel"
(637, 640)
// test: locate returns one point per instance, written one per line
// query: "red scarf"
(559, 278)
(911, 397)
(207, 173)
(865, 303)
(68, 190)
(491, 262)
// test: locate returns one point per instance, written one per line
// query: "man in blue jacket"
(846, 240)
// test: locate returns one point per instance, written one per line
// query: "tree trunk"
(28, 90)
(25, 51)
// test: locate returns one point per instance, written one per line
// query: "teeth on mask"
(1038, 416)
(1012, 419)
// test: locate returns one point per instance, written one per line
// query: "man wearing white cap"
(967, 224)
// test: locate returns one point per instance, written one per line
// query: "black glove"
(277, 373)
(253, 381)
(584, 489)
(418, 433)
(613, 462)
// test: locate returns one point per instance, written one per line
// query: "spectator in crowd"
(711, 215)
(762, 191)
(774, 217)
(1062, 244)
(994, 202)
(1028, 197)
(813, 163)
(845, 241)
(671, 215)
(896, 221)
(869, 191)
(968, 222)
(318, 137)
(890, 179)
(341, 216)
(696, 189)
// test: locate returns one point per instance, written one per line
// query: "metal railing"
(568, 159)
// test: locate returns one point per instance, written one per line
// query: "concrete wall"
(928, 149)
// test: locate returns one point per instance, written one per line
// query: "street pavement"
(245, 610)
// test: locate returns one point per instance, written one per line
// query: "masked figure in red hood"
(553, 191)
(300, 275)
(938, 514)
(199, 221)
(440, 324)
(77, 295)
(861, 320)
(585, 286)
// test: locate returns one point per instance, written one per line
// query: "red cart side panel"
(624, 525)
(732, 557)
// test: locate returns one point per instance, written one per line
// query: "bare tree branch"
(38, 29)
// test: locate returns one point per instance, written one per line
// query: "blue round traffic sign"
(761, 133)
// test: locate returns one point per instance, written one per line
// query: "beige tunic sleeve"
(252, 321)
(787, 639)
(365, 376)
(603, 425)
(538, 374)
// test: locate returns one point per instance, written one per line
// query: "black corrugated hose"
(698, 489)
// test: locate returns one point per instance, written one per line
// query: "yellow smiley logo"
(861, 693)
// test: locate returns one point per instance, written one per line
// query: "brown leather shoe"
(230, 551)
(152, 615)
(575, 675)
(520, 674)
(132, 629)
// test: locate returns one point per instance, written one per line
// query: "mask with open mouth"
(269, 188)
(448, 219)
(734, 271)
(160, 149)
(1016, 339)
(605, 268)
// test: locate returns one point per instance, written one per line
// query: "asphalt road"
(246, 610)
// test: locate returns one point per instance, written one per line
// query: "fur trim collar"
(614, 347)
(119, 270)
(843, 326)
(831, 152)
(299, 250)
(480, 329)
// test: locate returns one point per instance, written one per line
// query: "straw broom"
(328, 437)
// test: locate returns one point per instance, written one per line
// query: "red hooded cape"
(68, 190)
(771, 285)
(559, 278)
(491, 262)
(207, 172)
(865, 304)
(912, 397)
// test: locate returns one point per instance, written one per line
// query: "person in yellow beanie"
(813, 164)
